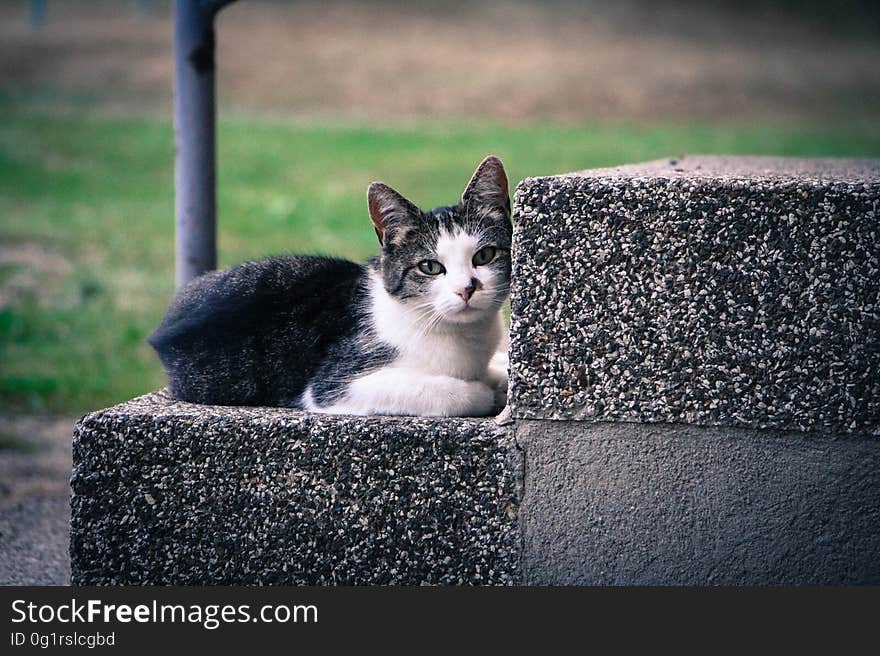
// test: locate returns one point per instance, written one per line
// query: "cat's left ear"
(488, 186)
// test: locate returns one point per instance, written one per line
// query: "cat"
(414, 331)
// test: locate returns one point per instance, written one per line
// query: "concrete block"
(695, 372)
(713, 291)
(654, 504)
(165, 492)
(695, 396)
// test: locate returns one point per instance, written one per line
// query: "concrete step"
(695, 399)
(707, 290)
(169, 493)
(695, 372)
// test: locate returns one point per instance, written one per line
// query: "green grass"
(91, 201)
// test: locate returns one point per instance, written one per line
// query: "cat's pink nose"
(467, 292)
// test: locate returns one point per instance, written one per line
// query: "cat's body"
(394, 336)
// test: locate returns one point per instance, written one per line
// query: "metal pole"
(37, 12)
(194, 136)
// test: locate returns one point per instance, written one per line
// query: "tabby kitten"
(414, 331)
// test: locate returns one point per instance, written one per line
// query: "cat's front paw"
(497, 379)
(481, 400)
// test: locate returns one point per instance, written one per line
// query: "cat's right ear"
(387, 209)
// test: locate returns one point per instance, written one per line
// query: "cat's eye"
(431, 267)
(484, 255)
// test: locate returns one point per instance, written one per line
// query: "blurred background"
(316, 99)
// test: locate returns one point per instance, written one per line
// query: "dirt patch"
(35, 457)
(34, 542)
(35, 463)
(564, 61)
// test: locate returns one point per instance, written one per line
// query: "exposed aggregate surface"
(705, 290)
(734, 292)
(166, 492)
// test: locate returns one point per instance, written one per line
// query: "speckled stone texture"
(173, 493)
(714, 291)
(695, 395)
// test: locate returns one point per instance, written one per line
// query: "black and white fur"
(328, 335)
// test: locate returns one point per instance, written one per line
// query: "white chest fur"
(438, 370)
